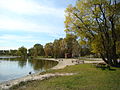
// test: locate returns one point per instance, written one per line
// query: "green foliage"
(72, 45)
(22, 51)
(13, 52)
(97, 23)
(48, 49)
(37, 50)
(59, 47)
(4, 52)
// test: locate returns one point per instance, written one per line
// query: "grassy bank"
(88, 77)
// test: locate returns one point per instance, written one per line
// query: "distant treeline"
(60, 48)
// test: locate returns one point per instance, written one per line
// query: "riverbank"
(62, 63)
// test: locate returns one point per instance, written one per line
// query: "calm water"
(15, 67)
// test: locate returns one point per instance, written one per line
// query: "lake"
(12, 68)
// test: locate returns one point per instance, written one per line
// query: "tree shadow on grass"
(105, 67)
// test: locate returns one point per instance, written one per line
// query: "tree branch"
(84, 25)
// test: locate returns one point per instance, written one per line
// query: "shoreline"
(8, 84)
(62, 63)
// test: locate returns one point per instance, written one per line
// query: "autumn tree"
(97, 23)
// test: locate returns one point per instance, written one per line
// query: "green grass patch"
(88, 77)
(89, 59)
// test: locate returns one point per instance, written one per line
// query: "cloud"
(15, 41)
(7, 40)
(30, 7)
(18, 38)
(11, 24)
(12, 20)
(12, 37)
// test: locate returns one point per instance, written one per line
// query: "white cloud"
(15, 24)
(30, 7)
(17, 38)
(13, 37)
(10, 24)
(7, 40)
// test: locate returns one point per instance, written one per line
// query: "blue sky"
(27, 22)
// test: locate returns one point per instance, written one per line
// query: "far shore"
(9, 56)
(62, 63)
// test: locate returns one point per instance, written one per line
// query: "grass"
(88, 77)
(89, 59)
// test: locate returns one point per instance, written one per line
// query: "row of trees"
(60, 48)
(22, 51)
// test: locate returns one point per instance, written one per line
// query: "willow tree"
(97, 23)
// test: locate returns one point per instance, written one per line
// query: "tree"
(70, 38)
(48, 49)
(22, 51)
(38, 50)
(72, 45)
(76, 49)
(31, 52)
(68, 45)
(59, 48)
(62, 46)
(56, 48)
(97, 23)
(85, 50)
(6, 52)
(13, 52)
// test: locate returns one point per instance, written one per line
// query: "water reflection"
(41, 64)
(22, 64)
(12, 68)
